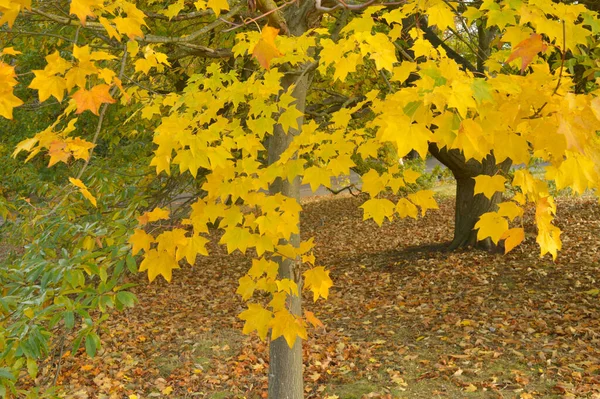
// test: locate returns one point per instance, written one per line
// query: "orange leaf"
(58, 153)
(92, 99)
(513, 237)
(265, 49)
(312, 319)
(528, 49)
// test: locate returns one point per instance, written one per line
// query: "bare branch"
(341, 4)
(196, 49)
(180, 17)
(193, 36)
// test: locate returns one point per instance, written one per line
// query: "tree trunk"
(285, 363)
(469, 207)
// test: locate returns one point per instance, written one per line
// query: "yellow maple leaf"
(424, 199)
(512, 238)
(130, 27)
(84, 8)
(10, 10)
(217, 6)
(83, 189)
(406, 208)
(246, 287)
(8, 101)
(406, 135)
(265, 50)
(153, 216)
(290, 118)
(577, 172)
(441, 16)
(492, 225)
(278, 301)
(256, 319)
(173, 9)
(345, 65)
(410, 176)
(236, 238)
(316, 176)
(373, 183)
(471, 140)
(25, 145)
(193, 247)
(318, 281)
(549, 240)
(111, 31)
(263, 266)
(79, 147)
(489, 185)
(402, 72)
(288, 286)
(10, 51)
(140, 240)
(171, 242)
(92, 99)
(378, 210)
(48, 85)
(381, 50)
(510, 210)
(287, 325)
(158, 263)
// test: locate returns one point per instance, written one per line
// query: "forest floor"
(404, 319)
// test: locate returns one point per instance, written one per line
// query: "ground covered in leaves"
(404, 319)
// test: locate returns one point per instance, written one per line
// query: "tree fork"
(469, 207)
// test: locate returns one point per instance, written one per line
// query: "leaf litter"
(405, 319)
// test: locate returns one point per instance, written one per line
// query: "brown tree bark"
(469, 207)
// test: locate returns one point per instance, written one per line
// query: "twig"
(28, 33)
(253, 20)
(180, 17)
(387, 82)
(103, 113)
(403, 52)
(189, 38)
(60, 355)
(562, 61)
(349, 188)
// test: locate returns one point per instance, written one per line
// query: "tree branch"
(180, 17)
(193, 36)
(432, 38)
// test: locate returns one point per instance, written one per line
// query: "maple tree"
(226, 107)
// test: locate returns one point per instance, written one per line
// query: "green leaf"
(69, 320)
(131, 265)
(32, 367)
(92, 344)
(6, 374)
(126, 298)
